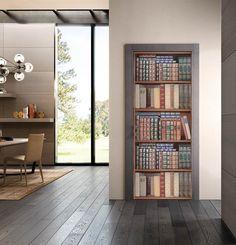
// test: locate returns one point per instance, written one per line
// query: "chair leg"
(25, 174)
(20, 171)
(41, 170)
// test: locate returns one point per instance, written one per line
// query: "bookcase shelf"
(161, 198)
(163, 141)
(161, 110)
(162, 170)
(162, 82)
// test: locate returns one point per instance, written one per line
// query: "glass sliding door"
(73, 69)
(101, 94)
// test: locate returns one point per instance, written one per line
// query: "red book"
(162, 184)
(162, 96)
(31, 110)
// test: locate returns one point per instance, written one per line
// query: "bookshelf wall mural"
(161, 120)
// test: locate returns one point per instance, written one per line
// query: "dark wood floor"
(76, 210)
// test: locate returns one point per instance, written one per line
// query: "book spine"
(171, 96)
(181, 96)
(143, 97)
(176, 96)
(176, 184)
(162, 96)
(184, 128)
(167, 96)
(137, 96)
(172, 183)
(187, 127)
(162, 184)
(190, 184)
(167, 184)
(137, 184)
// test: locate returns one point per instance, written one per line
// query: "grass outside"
(71, 152)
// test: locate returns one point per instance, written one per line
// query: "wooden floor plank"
(208, 228)
(27, 213)
(140, 207)
(58, 218)
(47, 210)
(151, 229)
(76, 209)
(108, 229)
(123, 228)
(67, 226)
(81, 227)
(180, 228)
(22, 206)
(136, 230)
(95, 227)
(166, 230)
(215, 218)
(195, 231)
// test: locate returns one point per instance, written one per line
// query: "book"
(176, 96)
(157, 97)
(137, 96)
(137, 184)
(156, 180)
(167, 184)
(172, 184)
(162, 96)
(172, 96)
(143, 95)
(143, 185)
(176, 184)
(186, 124)
(162, 184)
(167, 96)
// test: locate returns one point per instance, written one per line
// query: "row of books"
(162, 126)
(168, 184)
(164, 96)
(162, 156)
(163, 68)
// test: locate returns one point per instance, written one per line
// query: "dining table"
(13, 142)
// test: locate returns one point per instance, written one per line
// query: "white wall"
(169, 21)
(54, 4)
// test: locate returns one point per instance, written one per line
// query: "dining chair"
(33, 154)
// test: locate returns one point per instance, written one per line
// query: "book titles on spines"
(162, 126)
(163, 68)
(163, 96)
(163, 156)
(164, 184)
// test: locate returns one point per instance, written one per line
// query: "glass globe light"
(19, 76)
(4, 71)
(28, 67)
(3, 79)
(3, 62)
(19, 58)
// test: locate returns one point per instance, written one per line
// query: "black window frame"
(92, 102)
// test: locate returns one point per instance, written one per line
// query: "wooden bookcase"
(162, 160)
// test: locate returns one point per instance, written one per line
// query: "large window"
(82, 94)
